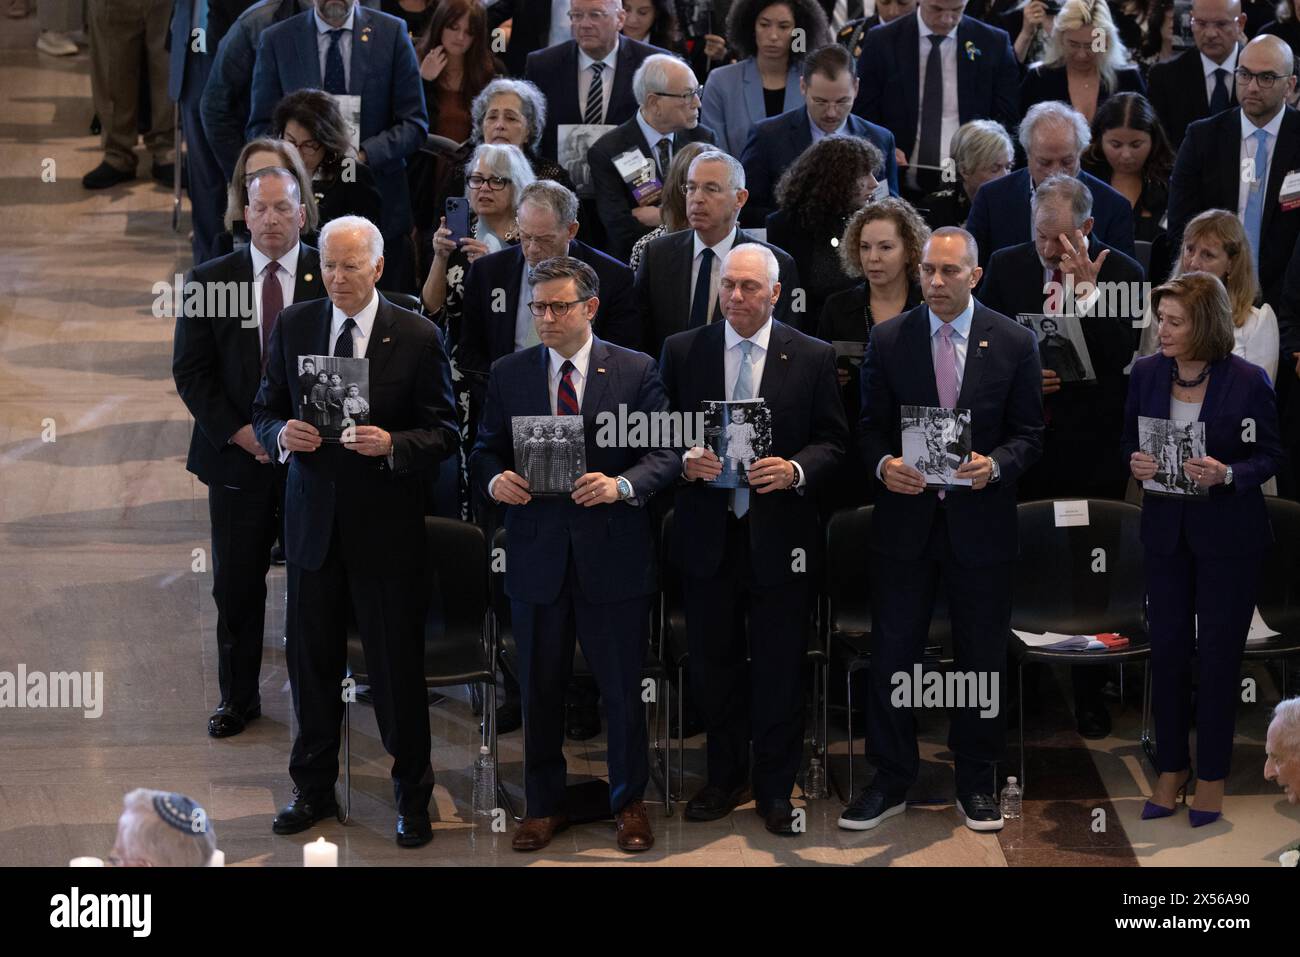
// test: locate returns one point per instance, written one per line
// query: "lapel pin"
(388, 338)
(308, 277)
(600, 370)
(984, 343)
(784, 356)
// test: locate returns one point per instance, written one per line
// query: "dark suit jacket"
(1050, 83)
(988, 81)
(663, 287)
(377, 510)
(180, 39)
(999, 216)
(808, 427)
(530, 29)
(384, 72)
(612, 545)
(555, 71)
(489, 334)
(1086, 415)
(776, 143)
(1206, 176)
(1177, 91)
(821, 273)
(1234, 520)
(613, 199)
(217, 365)
(1001, 385)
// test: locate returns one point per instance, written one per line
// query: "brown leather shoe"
(633, 826)
(536, 832)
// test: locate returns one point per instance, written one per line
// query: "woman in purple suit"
(1202, 552)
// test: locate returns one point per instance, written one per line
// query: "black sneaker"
(105, 175)
(980, 811)
(871, 807)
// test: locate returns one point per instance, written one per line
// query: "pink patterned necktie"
(945, 368)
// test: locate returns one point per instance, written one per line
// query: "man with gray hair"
(1054, 136)
(354, 522)
(630, 163)
(162, 829)
(1282, 749)
(677, 281)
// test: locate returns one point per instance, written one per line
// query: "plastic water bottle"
(485, 788)
(814, 784)
(1011, 800)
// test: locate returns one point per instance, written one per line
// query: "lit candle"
(85, 862)
(320, 854)
(218, 859)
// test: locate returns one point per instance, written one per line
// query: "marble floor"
(99, 527)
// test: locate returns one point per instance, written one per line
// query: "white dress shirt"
(719, 253)
(951, 114)
(1208, 66)
(1247, 158)
(606, 80)
(345, 44)
(286, 277)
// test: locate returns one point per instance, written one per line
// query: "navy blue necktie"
(700, 303)
(1219, 100)
(343, 344)
(335, 78)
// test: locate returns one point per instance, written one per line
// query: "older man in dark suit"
(753, 554)
(354, 523)
(217, 363)
(1202, 81)
(950, 353)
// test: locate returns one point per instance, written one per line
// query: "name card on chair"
(1071, 513)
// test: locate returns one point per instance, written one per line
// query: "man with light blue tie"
(1243, 160)
(754, 554)
(950, 352)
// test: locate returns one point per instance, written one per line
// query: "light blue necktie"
(201, 17)
(1254, 217)
(744, 390)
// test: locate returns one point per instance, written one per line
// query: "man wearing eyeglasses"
(627, 161)
(583, 562)
(1200, 82)
(1243, 160)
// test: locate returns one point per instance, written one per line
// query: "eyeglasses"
(692, 94)
(710, 189)
(1265, 80)
(493, 183)
(558, 309)
(310, 146)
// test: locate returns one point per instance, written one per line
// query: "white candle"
(218, 859)
(321, 853)
(85, 862)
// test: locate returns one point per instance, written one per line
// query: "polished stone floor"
(99, 523)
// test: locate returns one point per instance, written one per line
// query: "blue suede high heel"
(1202, 818)
(1151, 810)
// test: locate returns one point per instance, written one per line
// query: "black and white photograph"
(739, 433)
(574, 139)
(550, 452)
(936, 442)
(334, 393)
(1171, 444)
(1061, 346)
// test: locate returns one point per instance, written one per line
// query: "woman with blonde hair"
(259, 154)
(1084, 61)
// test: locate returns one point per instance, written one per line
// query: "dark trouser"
(389, 611)
(1204, 606)
(614, 638)
(245, 523)
(762, 700)
(902, 599)
(120, 32)
(207, 186)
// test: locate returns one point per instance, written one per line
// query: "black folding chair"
(458, 640)
(1279, 588)
(1080, 580)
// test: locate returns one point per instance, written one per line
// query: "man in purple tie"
(951, 353)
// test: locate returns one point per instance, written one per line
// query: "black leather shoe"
(778, 818)
(227, 722)
(581, 719)
(305, 811)
(510, 717)
(980, 811)
(1093, 720)
(414, 830)
(870, 808)
(713, 803)
(164, 173)
(105, 175)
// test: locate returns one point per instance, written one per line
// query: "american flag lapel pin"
(984, 343)
(601, 371)
(388, 339)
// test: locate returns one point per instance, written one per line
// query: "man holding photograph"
(953, 353)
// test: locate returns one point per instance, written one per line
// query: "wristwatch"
(624, 488)
(996, 470)
(1227, 476)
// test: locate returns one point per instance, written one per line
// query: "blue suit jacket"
(1234, 519)
(776, 143)
(999, 216)
(180, 40)
(384, 72)
(612, 545)
(889, 72)
(733, 104)
(1002, 387)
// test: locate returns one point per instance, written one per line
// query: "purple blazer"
(1233, 520)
